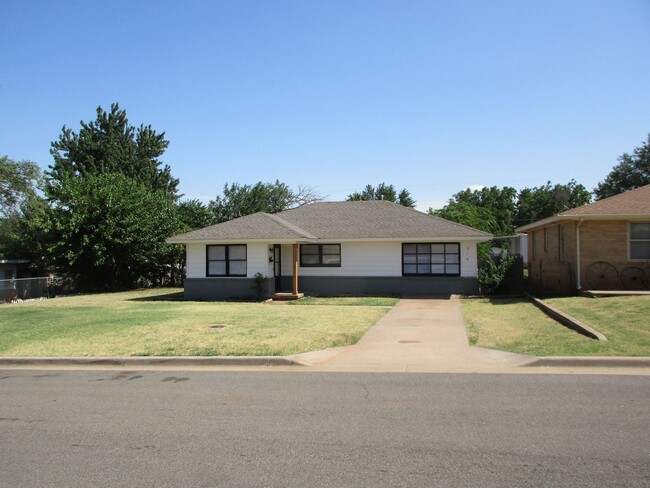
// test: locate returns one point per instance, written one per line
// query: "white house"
(333, 248)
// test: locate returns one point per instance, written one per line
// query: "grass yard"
(350, 301)
(516, 325)
(141, 323)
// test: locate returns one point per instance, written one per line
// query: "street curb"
(154, 361)
(566, 319)
(591, 362)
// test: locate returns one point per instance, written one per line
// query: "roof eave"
(576, 217)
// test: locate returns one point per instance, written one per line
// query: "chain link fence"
(27, 288)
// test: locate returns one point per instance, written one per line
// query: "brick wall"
(603, 241)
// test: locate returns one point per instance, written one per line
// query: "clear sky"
(432, 96)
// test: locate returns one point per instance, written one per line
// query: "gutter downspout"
(578, 286)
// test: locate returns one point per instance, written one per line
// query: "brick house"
(603, 245)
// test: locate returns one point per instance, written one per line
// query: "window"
(226, 260)
(640, 240)
(431, 259)
(561, 242)
(320, 255)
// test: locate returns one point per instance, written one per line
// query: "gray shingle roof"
(337, 220)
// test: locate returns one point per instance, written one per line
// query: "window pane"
(438, 269)
(331, 249)
(410, 269)
(437, 258)
(424, 269)
(453, 269)
(424, 258)
(424, 248)
(640, 250)
(310, 259)
(410, 258)
(237, 252)
(438, 248)
(237, 267)
(331, 259)
(452, 248)
(409, 248)
(309, 249)
(216, 252)
(640, 230)
(451, 258)
(217, 268)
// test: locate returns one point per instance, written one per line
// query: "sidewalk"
(417, 335)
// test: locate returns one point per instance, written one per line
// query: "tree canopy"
(108, 232)
(18, 182)
(109, 144)
(500, 210)
(239, 200)
(632, 171)
(384, 192)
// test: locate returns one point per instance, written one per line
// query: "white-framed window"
(639, 241)
(320, 255)
(225, 260)
(431, 259)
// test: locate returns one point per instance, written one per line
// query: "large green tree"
(109, 144)
(239, 200)
(465, 213)
(545, 201)
(111, 205)
(632, 171)
(384, 192)
(500, 202)
(19, 181)
(108, 232)
(20, 206)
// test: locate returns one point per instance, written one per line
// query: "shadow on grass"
(178, 297)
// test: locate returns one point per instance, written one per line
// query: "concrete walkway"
(417, 335)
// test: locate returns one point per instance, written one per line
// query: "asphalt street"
(268, 429)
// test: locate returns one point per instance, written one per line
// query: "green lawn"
(516, 325)
(139, 323)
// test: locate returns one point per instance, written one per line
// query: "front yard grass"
(516, 325)
(139, 323)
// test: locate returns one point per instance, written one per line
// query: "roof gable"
(337, 221)
(629, 205)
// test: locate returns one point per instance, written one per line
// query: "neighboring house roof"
(633, 204)
(336, 220)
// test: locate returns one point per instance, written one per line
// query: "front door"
(277, 266)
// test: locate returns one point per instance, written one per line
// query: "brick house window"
(640, 240)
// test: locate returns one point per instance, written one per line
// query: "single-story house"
(602, 245)
(333, 248)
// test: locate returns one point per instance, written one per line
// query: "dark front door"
(277, 266)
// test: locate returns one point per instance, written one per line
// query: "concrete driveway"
(417, 335)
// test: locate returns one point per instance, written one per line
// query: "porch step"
(283, 297)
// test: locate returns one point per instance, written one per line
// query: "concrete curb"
(566, 319)
(589, 362)
(154, 361)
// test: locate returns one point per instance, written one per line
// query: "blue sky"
(431, 96)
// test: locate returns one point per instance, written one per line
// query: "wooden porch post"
(295, 269)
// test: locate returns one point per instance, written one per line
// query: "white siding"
(374, 259)
(195, 255)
